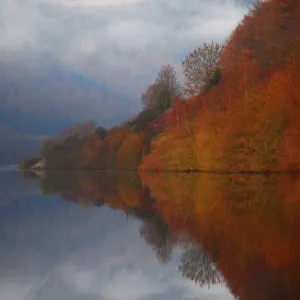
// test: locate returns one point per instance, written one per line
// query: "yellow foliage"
(130, 152)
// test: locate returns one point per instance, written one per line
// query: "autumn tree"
(84, 129)
(200, 66)
(159, 94)
(149, 97)
(79, 130)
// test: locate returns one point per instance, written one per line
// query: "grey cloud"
(61, 252)
(112, 276)
(123, 45)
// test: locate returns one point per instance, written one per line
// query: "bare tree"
(157, 234)
(197, 266)
(199, 66)
(159, 94)
(149, 98)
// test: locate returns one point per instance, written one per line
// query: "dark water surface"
(124, 236)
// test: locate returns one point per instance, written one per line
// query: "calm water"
(111, 236)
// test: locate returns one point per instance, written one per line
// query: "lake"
(127, 236)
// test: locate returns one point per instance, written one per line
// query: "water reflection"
(152, 236)
(197, 266)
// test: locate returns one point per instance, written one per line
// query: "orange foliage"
(130, 152)
(248, 121)
(247, 225)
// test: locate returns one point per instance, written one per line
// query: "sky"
(120, 42)
(66, 61)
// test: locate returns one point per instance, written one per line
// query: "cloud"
(65, 61)
(137, 284)
(18, 288)
(130, 272)
(96, 3)
(121, 42)
(74, 257)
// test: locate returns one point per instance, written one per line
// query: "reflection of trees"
(156, 233)
(197, 266)
(254, 219)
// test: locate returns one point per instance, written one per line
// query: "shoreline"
(217, 172)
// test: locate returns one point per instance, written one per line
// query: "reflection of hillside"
(244, 226)
(247, 224)
(90, 188)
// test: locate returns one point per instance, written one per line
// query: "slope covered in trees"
(250, 120)
(242, 114)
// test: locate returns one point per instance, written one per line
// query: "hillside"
(245, 117)
(250, 120)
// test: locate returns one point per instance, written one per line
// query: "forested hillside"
(239, 109)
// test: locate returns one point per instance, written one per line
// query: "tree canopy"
(158, 95)
(199, 65)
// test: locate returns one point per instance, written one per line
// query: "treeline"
(238, 111)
